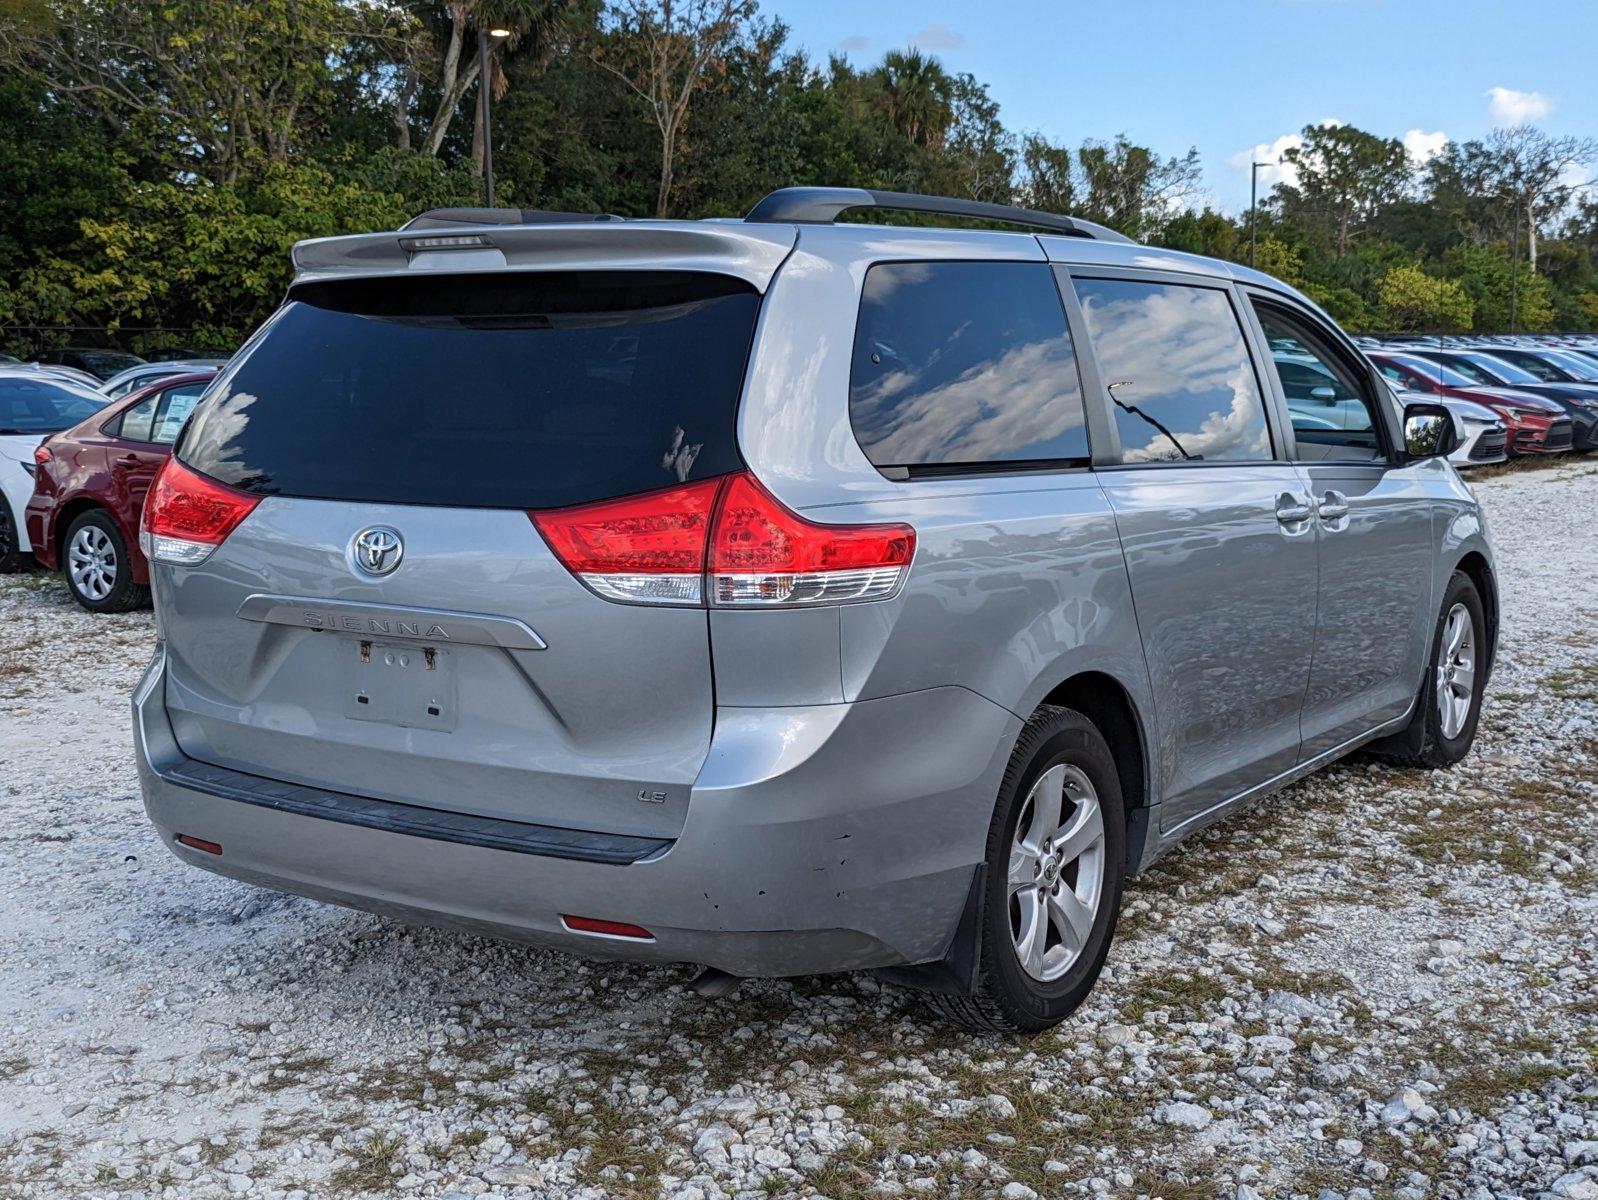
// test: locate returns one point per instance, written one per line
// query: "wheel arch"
(1108, 703)
(1475, 566)
(74, 508)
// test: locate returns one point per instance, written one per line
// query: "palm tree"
(915, 97)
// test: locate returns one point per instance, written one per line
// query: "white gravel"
(1378, 983)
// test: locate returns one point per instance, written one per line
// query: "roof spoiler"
(824, 205)
(445, 218)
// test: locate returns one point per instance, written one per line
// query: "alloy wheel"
(1456, 671)
(92, 562)
(1056, 875)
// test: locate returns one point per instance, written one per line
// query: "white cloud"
(1509, 107)
(1423, 146)
(853, 43)
(1269, 155)
(936, 36)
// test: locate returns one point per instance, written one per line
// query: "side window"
(1400, 376)
(138, 423)
(1178, 372)
(1333, 418)
(964, 364)
(176, 404)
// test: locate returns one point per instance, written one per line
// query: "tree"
(1484, 274)
(1413, 301)
(213, 83)
(666, 47)
(915, 98)
(1121, 184)
(1345, 174)
(1528, 169)
(1047, 175)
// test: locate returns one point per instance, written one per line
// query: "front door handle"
(1332, 507)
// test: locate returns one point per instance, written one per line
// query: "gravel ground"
(1380, 982)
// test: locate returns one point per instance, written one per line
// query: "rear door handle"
(1333, 506)
(129, 460)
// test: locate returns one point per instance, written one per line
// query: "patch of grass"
(1186, 995)
(372, 1168)
(292, 1071)
(1486, 1089)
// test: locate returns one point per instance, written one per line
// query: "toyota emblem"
(377, 550)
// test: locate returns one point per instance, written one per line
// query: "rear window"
(495, 391)
(37, 406)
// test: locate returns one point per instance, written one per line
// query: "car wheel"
(1443, 726)
(12, 557)
(1056, 853)
(95, 560)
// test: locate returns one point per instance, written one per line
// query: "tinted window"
(964, 363)
(1177, 370)
(504, 391)
(35, 406)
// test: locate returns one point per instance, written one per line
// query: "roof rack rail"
(823, 206)
(443, 218)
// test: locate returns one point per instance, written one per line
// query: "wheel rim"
(1456, 671)
(92, 562)
(1056, 872)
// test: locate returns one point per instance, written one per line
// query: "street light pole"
(1254, 206)
(1514, 269)
(485, 116)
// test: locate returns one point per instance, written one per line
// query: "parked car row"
(1543, 390)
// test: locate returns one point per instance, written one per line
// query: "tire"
(1010, 996)
(1436, 738)
(12, 557)
(94, 559)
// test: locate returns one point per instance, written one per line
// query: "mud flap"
(955, 974)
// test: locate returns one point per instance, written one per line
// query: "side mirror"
(1428, 431)
(1324, 394)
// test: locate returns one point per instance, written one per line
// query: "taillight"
(186, 515)
(762, 553)
(648, 548)
(41, 454)
(727, 540)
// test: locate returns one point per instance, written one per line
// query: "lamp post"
(1254, 205)
(483, 100)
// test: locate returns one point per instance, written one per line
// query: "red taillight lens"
(647, 548)
(42, 455)
(186, 515)
(662, 547)
(762, 553)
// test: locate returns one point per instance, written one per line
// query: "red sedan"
(1535, 425)
(89, 487)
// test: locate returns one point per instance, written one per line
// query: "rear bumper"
(819, 838)
(37, 520)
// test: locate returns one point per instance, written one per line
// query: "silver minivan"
(788, 595)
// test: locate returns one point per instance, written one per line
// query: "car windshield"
(43, 406)
(1436, 372)
(1502, 369)
(1573, 364)
(108, 362)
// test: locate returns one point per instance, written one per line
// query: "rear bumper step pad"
(490, 832)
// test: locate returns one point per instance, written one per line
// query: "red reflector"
(658, 533)
(194, 843)
(609, 928)
(189, 507)
(755, 534)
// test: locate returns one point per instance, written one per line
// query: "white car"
(146, 373)
(33, 405)
(1483, 439)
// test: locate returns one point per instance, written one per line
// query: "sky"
(1239, 78)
